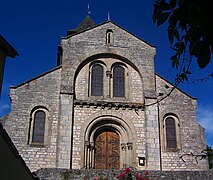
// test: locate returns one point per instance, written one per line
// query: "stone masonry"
(74, 117)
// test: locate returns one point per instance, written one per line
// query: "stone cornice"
(109, 104)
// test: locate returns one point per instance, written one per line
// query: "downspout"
(159, 130)
(72, 125)
(159, 138)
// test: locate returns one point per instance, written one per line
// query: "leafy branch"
(190, 28)
(204, 78)
(207, 153)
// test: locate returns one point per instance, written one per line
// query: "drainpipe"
(72, 123)
(159, 137)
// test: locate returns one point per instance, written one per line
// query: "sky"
(34, 29)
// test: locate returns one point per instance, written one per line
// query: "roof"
(87, 22)
(7, 48)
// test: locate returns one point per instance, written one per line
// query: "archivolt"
(119, 125)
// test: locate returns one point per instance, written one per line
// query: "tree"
(210, 156)
(190, 32)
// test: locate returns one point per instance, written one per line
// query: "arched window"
(171, 139)
(118, 81)
(109, 36)
(39, 127)
(97, 80)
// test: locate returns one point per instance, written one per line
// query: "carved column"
(123, 154)
(130, 147)
(92, 155)
(109, 75)
(86, 155)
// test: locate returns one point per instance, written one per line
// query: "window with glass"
(39, 127)
(97, 80)
(171, 140)
(118, 81)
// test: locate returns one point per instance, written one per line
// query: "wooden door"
(107, 150)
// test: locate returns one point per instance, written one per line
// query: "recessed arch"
(108, 66)
(108, 121)
(118, 64)
(96, 58)
(96, 61)
(35, 108)
(171, 114)
(103, 123)
(171, 132)
(38, 126)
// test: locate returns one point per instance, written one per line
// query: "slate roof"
(87, 22)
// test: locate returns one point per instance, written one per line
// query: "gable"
(164, 87)
(90, 44)
(116, 29)
(37, 77)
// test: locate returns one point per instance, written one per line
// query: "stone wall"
(190, 135)
(89, 46)
(91, 43)
(42, 91)
(134, 91)
(152, 136)
(62, 174)
(73, 113)
(86, 115)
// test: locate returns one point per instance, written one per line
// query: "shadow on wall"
(12, 166)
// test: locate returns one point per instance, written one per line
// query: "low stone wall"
(88, 174)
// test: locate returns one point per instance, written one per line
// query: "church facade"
(99, 108)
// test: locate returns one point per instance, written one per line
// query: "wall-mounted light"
(141, 161)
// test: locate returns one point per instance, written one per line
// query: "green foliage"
(190, 32)
(210, 156)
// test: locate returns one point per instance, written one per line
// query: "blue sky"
(34, 29)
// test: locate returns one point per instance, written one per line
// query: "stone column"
(92, 155)
(86, 154)
(109, 76)
(123, 154)
(130, 147)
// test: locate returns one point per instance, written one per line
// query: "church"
(103, 107)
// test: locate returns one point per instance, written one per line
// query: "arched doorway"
(108, 143)
(107, 149)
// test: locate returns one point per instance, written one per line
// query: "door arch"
(110, 123)
(107, 149)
